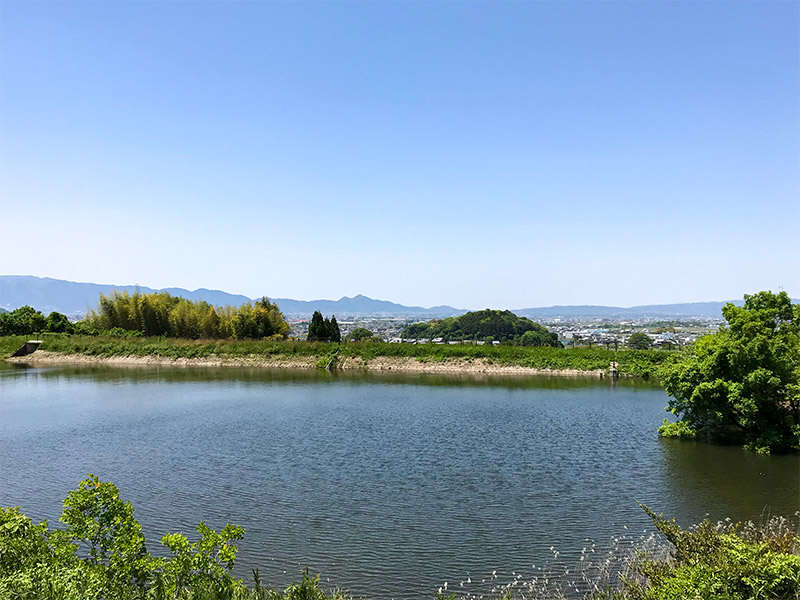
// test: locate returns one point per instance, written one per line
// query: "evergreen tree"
(334, 334)
(316, 329)
(326, 331)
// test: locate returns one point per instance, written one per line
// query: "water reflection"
(388, 483)
(729, 482)
(151, 374)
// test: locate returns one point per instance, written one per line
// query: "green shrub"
(678, 429)
(717, 562)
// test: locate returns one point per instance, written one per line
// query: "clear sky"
(477, 154)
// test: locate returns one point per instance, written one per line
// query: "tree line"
(26, 320)
(156, 314)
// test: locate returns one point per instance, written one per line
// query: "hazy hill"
(73, 298)
(689, 309)
(361, 305)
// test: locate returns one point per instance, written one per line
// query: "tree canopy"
(640, 341)
(359, 334)
(323, 330)
(741, 384)
(503, 326)
(26, 320)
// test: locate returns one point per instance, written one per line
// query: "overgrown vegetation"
(26, 320)
(630, 362)
(161, 314)
(715, 561)
(101, 554)
(742, 384)
(485, 325)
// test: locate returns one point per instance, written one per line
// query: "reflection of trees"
(144, 374)
(726, 481)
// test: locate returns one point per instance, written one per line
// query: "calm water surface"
(388, 486)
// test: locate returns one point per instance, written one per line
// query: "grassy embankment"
(634, 363)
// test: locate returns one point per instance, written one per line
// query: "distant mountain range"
(75, 299)
(71, 298)
(690, 309)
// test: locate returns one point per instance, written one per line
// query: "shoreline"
(379, 364)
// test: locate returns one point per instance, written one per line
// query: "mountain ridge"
(76, 298)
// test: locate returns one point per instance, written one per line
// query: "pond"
(386, 485)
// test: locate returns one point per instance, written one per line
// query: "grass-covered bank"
(100, 553)
(633, 363)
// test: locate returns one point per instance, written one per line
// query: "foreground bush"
(725, 562)
(101, 554)
(711, 561)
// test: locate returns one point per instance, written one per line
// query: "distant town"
(604, 332)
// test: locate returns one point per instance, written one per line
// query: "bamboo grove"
(161, 314)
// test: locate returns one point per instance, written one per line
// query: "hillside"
(488, 325)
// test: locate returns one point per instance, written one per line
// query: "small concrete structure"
(614, 372)
(28, 347)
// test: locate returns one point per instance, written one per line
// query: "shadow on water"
(728, 481)
(256, 375)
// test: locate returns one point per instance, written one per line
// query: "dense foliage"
(503, 326)
(742, 384)
(640, 341)
(101, 554)
(359, 334)
(323, 330)
(712, 562)
(26, 320)
(160, 313)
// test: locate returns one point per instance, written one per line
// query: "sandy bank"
(380, 363)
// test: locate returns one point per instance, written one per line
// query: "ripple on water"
(386, 488)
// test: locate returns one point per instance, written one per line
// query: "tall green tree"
(640, 341)
(23, 321)
(359, 334)
(316, 329)
(323, 329)
(741, 384)
(57, 322)
(334, 335)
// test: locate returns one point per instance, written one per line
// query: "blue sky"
(477, 154)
